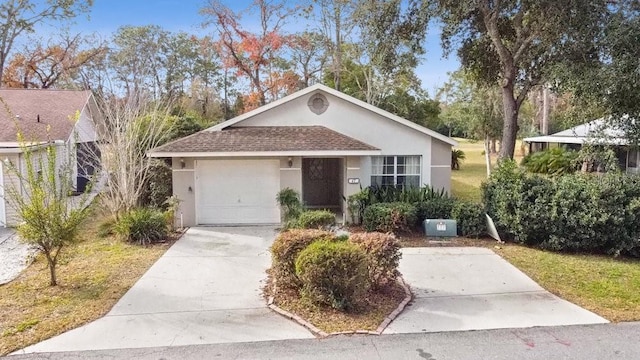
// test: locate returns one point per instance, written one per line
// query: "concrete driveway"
(474, 288)
(205, 289)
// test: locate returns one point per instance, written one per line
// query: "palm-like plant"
(457, 156)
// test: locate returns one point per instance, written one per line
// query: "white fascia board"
(266, 153)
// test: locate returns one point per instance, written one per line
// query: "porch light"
(182, 163)
(290, 162)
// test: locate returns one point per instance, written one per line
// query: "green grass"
(606, 286)
(93, 274)
(465, 183)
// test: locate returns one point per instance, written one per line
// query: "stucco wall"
(291, 177)
(391, 137)
(440, 165)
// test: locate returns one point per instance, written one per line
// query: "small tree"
(132, 126)
(40, 197)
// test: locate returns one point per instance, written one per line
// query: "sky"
(107, 16)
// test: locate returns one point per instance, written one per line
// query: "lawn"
(93, 275)
(465, 183)
(607, 286)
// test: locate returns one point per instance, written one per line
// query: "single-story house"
(598, 132)
(318, 141)
(63, 117)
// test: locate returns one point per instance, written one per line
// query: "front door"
(321, 182)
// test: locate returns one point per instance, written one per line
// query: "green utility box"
(440, 227)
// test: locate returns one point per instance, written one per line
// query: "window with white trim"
(398, 171)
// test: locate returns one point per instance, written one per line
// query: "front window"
(399, 171)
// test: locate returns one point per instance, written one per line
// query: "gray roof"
(39, 114)
(264, 139)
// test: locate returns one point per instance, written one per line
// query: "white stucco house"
(318, 141)
(63, 117)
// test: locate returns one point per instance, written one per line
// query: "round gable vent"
(318, 104)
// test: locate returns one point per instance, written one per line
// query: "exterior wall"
(390, 137)
(11, 182)
(291, 177)
(353, 170)
(184, 187)
(440, 165)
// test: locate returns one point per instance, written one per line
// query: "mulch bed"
(378, 305)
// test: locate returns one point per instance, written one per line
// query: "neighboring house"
(597, 132)
(65, 118)
(318, 141)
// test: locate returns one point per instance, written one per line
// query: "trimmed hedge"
(438, 208)
(285, 250)
(470, 218)
(313, 219)
(333, 273)
(575, 213)
(390, 217)
(383, 251)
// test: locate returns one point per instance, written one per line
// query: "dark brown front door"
(321, 182)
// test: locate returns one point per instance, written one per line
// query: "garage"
(237, 192)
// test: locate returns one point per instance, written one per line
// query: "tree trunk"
(487, 156)
(493, 147)
(338, 49)
(52, 270)
(510, 126)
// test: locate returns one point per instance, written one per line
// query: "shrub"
(289, 201)
(106, 228)
(457, 156)
(334, 274)
(357, 203)
(142, 226)
(314, 219)
(286, 248)
(383, 251)
(470, 218)
(556, 161)
(576, 213)
(437, 208)
(390, 217)
(158, 185)
(389, 194)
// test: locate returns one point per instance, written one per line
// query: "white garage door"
(237, 191)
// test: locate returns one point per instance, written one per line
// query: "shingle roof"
(54, 107)
(265, 139)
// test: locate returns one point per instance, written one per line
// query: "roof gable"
(353, 101)
(40, 114)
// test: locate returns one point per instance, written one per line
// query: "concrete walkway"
(204, 290)
(474, 288)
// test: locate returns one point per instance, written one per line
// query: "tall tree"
(43, 67)
(515, 43)
(21, 16)
(612, 85)
(336, 24)
(252, 54)
(390, 41)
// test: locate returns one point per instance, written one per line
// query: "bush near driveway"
(313, 219)
(285, 250)
(383, 251)
(142, 226)
(333, 273)
(575, 213)
(470, 218)
(394, 217)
